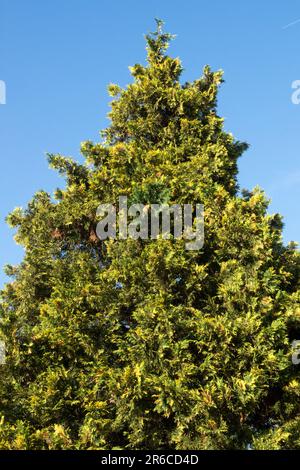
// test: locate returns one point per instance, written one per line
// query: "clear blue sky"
(57, 57)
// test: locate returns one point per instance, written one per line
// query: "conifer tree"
(142, 344)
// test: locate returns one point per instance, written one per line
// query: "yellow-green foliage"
(142, 344)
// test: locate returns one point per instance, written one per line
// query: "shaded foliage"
(142, 344)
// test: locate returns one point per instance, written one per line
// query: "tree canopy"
(142, 344)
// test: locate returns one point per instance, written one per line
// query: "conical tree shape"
(142, 344)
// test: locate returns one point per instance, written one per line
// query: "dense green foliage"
(142, 344)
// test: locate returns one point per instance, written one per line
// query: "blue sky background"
(57, 57)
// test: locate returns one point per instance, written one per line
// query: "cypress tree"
(142, 344)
